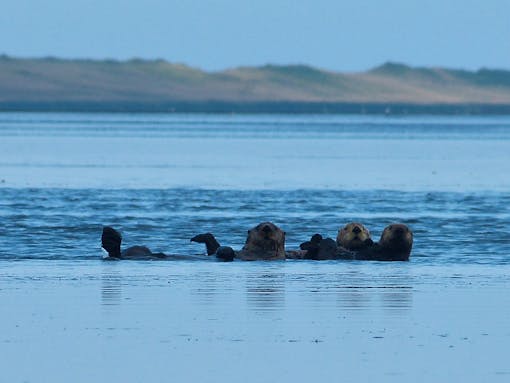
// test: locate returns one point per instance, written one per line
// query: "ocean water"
(160, 179)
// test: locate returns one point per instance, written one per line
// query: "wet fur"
(111, 241)
(266, 241)
(320, 249)
(354, 236)
(395, 244)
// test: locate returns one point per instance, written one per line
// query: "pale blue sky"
(339, 35)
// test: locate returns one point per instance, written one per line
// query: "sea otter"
(312, 246)
(395, 245)
(111, 240)
(266, 241)
(307, 250)
(354, 236)
(320, 249)
(213, 247)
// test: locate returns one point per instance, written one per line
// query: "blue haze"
(339, 35)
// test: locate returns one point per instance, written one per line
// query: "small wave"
(452, 228)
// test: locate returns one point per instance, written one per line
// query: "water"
(449, 228)
(161, 179)
(255, 152)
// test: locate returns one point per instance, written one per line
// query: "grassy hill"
(57, 84)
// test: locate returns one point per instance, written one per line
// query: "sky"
(349, 35)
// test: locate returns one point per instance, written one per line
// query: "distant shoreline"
(156, 86)
(260, 108)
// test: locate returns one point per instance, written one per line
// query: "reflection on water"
(265, 292)
(111, 287)
(204, 285)
(392, 298)
(354, 298)
(192, 319)
(392, 290)
(397, 298)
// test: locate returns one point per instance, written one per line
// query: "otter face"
(353, 236)
(265, 241)
(397, 237)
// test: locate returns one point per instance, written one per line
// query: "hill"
(157, 85)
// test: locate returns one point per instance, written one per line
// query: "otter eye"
(391, 227)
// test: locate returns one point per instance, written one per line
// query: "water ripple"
(66, 223)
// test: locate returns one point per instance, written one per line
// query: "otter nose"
(266, 229)
(356, 230)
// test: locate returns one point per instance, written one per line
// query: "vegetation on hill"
(51, 81)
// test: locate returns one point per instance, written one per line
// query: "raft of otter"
(354, 242)
(266, 242)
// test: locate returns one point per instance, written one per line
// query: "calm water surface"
(161, 179)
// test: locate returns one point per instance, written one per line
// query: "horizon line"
(6, 56)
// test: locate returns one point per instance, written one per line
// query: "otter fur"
(354, 236)
(266, 241)
(395, 244)
(354, 242)
(111, 240)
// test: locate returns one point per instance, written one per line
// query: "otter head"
(397, 238)
(353, 236)
(265, 241)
